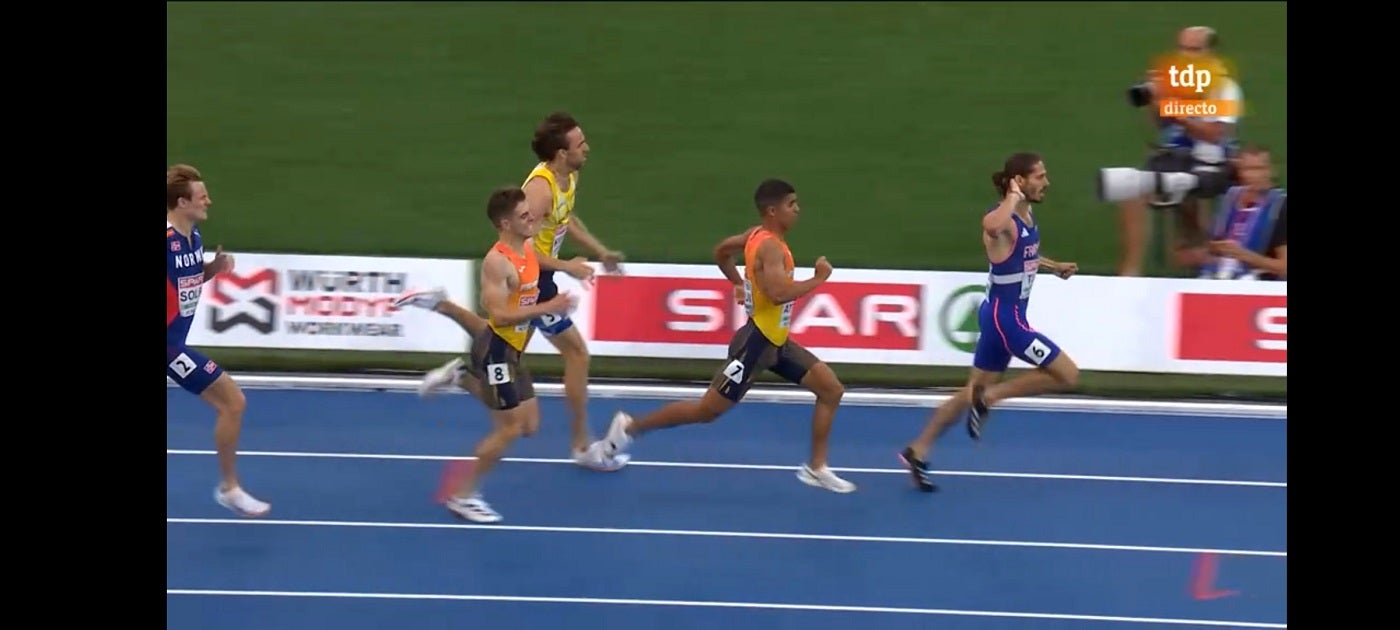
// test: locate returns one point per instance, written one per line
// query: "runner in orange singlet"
(762, 343)
(495, 373)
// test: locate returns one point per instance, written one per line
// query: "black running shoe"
(977, 414)
(918, 469)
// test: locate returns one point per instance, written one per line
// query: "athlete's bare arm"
(579, 232)
(498, 280)
(772, 278)
(576, 267)
(538, 197)
(998, 228)
(725, 252)
(998, 223)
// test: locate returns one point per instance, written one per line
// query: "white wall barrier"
(329, 303)
(688, 311)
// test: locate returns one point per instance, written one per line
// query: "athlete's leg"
(202, 377)
(951, 411)
(574, 352)
(436, 300)
(506, 426)
(1055, 371)
(797, 365)
(475, 325)
(1061, 374)
(507, 391)
(990, 359)
(749, 354)
(708, 408)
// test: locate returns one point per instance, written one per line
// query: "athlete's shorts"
(505, 381)
(550, 324)
(1004, 333)
(750, 353)
(190, 369)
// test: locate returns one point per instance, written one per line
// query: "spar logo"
(957, 317)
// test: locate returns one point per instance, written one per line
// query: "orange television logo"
(1186, 87)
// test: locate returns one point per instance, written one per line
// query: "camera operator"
(1202, 146)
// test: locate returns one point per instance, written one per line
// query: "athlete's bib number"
(183, 365)
(1028, 277)
(559, 233)
(497, 374)
(735, 371)
(1037, 352)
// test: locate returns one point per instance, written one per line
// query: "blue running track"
(1057, 520)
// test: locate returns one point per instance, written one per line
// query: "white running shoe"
(241, 502)
(617, 439)
(441, 376)
(595, 457)
(824, 479)
(421, 298)
(474, 509)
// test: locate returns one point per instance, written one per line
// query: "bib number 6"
(497, 374)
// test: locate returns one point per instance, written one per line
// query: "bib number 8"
(497, 374)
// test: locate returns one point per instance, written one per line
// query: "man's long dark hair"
(1018, 164)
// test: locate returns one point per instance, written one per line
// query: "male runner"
(762, 343)
(1011, 237)
(550, 188)
(186, 204)
(510, 295)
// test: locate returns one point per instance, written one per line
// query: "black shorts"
(750, 353)
(505, 381)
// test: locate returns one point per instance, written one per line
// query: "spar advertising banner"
(689, 311)
(930, 318)
(329, 303)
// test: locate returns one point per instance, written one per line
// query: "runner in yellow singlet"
(762, 343)
(550, 189)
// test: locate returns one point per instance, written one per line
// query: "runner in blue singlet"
(1011, 237)
(186, 204)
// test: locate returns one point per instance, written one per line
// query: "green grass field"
(379, 128)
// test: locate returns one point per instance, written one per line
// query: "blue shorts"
(1004, 333)
(550, 325)
(190, 369)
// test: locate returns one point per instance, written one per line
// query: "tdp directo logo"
(1190, 86)
(244, 300)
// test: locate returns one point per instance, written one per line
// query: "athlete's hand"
(222, 262)
(1013, 188)
(612, 261)
(581, 270)
(561, 304)
(1228, 249)
(1065, 270)
(823, 269)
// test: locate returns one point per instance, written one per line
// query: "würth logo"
(248, 300)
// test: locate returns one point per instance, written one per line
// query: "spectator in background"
(1249, 239)
(1182, 144)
